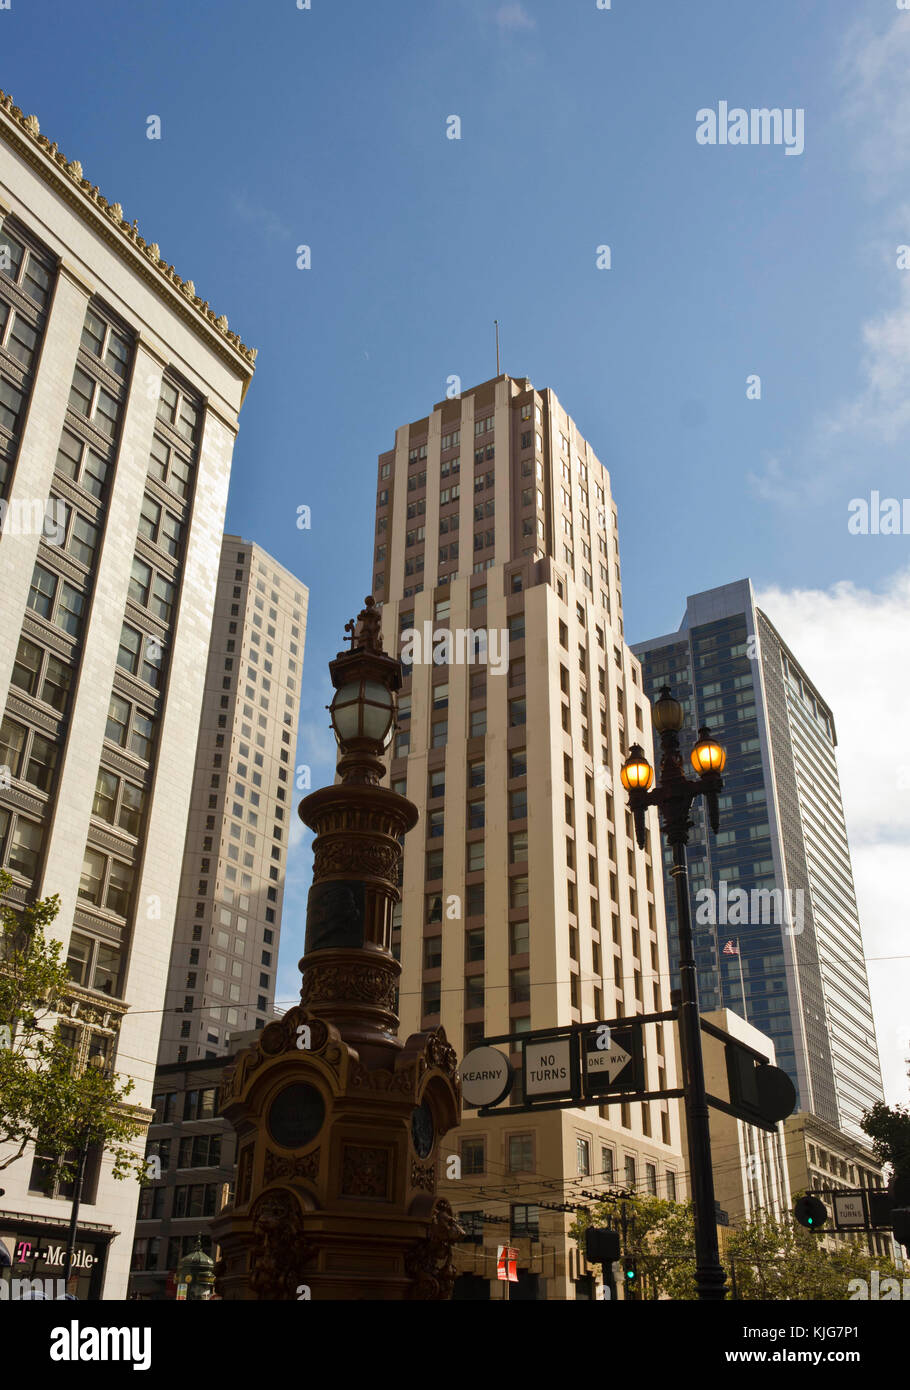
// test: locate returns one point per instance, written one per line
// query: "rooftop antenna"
(496, 322)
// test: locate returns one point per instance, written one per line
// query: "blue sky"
(328, 127)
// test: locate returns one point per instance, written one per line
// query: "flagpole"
(742, 984)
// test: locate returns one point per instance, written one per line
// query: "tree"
(779, 1260)
(45, 1098)
(772, 1260)
(661, 1241)
(889, 1129)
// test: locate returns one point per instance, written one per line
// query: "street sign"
(507, 1263)
(486, 1077)
(849, 1210)
(548, 1069)
(609, 1063)
(618, 1067)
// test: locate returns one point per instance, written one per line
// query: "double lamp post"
(673, 796)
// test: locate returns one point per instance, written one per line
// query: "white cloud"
(875, 116)
(852, 644)
(873, 72)
(882, 407)
(513, 17)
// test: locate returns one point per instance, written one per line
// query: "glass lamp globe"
(636, 773)
(362, 709)
(707, 755)
(667, 712)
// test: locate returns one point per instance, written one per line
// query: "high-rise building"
(119, 396)
(527, 903)
(225, 949)
(777, 933)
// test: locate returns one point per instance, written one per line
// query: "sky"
(742, 368)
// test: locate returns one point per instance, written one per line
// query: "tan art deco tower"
(526, 901)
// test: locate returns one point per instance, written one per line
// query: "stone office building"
(527, 902)
(120, 390)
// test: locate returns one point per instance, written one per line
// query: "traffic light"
(601, 1246)
(629, 1273)
(811, 1213)
(881, 1205)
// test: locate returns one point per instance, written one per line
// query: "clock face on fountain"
(423, 1131)
(296, 1116)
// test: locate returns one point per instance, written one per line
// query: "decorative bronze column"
(338, 1121)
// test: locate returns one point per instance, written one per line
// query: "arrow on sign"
(611, 1062)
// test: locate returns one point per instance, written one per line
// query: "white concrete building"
(119, 397)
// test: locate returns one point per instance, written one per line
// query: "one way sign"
(610, 1062)
(617, 1067)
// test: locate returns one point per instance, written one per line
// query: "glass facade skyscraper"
(777, 933)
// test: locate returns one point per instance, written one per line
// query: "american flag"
(731, 948)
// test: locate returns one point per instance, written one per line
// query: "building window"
(93, 964)
(474, 944)
(472, 1157)
(56, 600)
(201, 1104)
(473, 992)
(518, 890)
(525, 1222)
(519, 943)
(519, 986)
(521, 1153)
(432, 952)
(583, 1157)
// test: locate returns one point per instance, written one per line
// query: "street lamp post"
(673, 796)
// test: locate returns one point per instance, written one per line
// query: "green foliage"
(889, 1129)
(780, 1260)
(42, 1094)
(773, 1260)
(661, 1241)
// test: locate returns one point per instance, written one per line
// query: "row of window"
(200, 1104)
(26, 276)
(147, 1251)
(190, 1199)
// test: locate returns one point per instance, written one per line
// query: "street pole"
(74, 1216)
(709, 1273)
(673, 796)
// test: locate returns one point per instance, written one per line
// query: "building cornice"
(64, 176)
